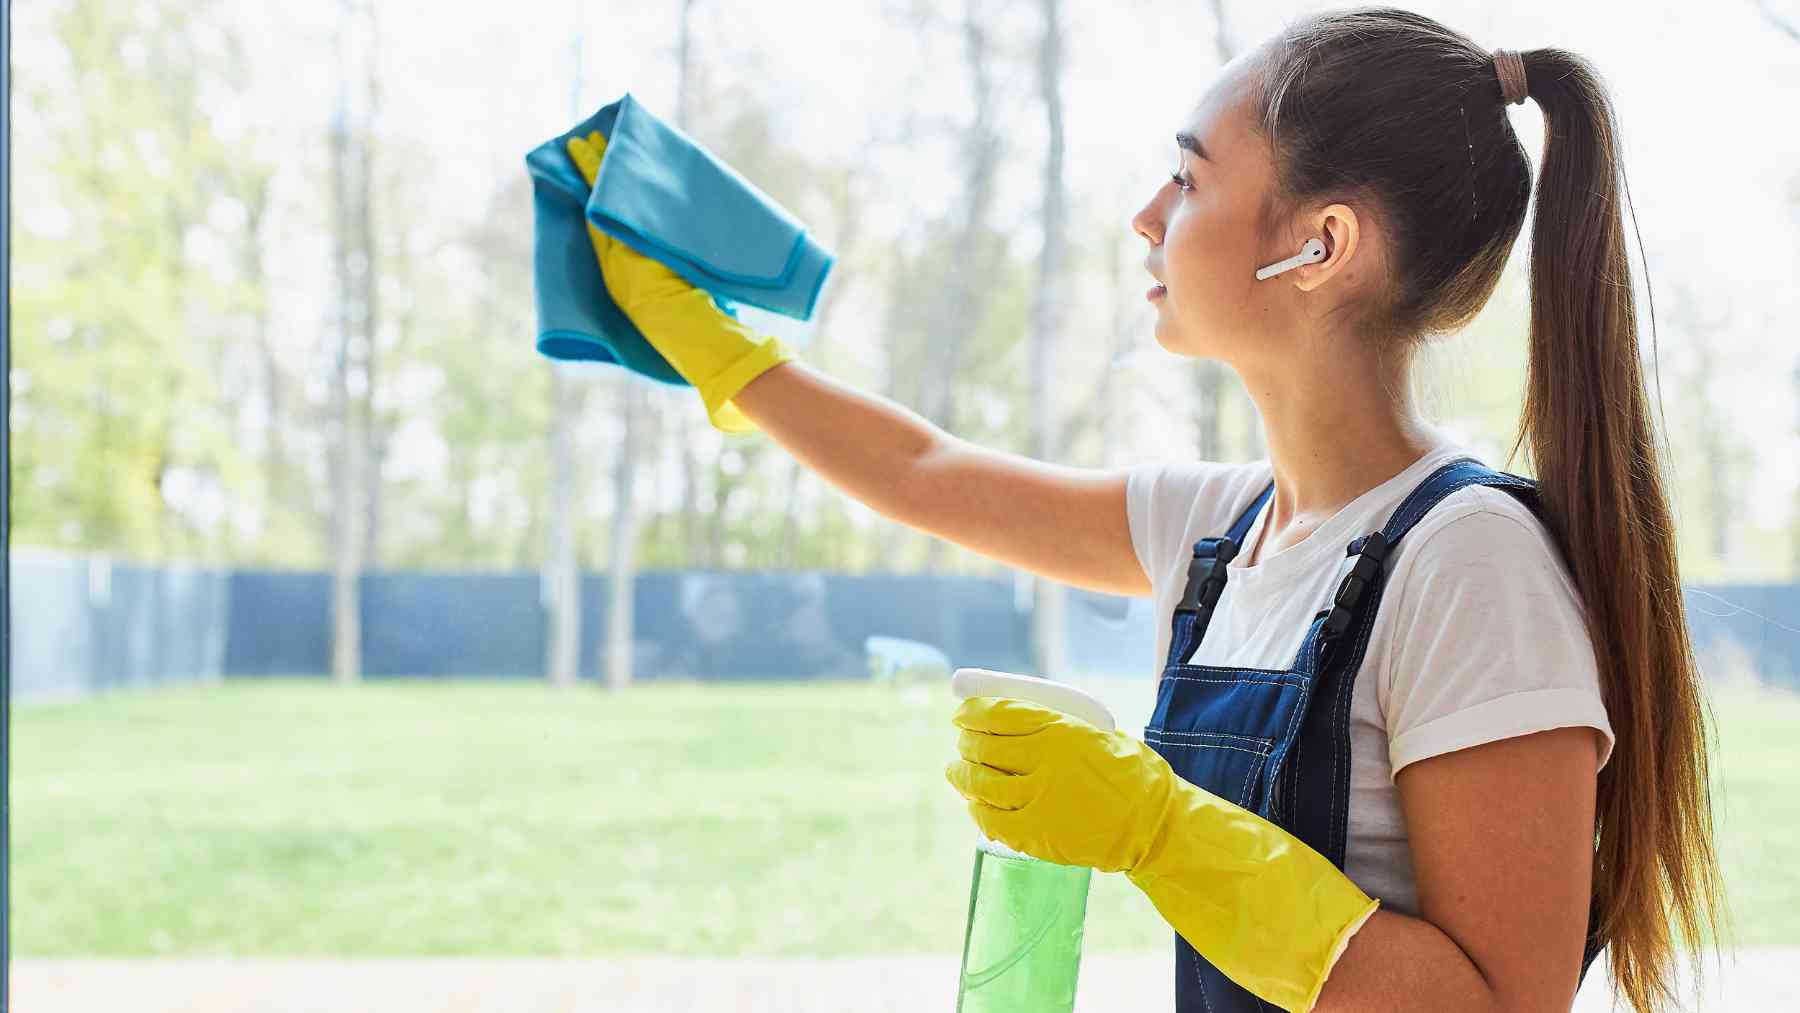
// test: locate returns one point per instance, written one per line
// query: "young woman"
(1428, 735)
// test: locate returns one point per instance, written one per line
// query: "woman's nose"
(1146, 223)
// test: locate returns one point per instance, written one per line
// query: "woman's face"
(1205, 243)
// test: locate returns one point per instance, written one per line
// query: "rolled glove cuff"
(1268, 911)
(718, 391)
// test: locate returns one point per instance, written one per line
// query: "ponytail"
(1394, 112)
(1588, 429)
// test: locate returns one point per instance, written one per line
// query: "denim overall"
(1277, 741)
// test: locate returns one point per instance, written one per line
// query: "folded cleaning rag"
(667, 197)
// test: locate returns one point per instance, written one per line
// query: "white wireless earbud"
(1311, 253)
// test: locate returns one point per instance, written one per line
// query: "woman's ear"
(1337, 227)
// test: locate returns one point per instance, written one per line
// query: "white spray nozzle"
(1060, 696)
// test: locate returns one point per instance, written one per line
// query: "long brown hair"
(1404, 119)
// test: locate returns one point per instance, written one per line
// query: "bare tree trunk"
(981, 149)
(274, 454)
(622, 564)
(351, 143)
(1720, 493)
(1048, 598)
(682, 427)
(372, 465)
(561, 578)
(621, 567)
(1226, 45)
(1209, 375)
(683, 422)
(1794, 525)
(374, 439)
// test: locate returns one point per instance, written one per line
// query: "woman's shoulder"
(1481, 528)
(1171, 503)
(1475, 511)
(1201, 494)
(1487, 632)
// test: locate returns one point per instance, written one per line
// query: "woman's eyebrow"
(1189, 142)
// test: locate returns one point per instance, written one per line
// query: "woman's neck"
(1338, 421)
(1328, 447)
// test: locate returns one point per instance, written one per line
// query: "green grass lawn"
(432, 818)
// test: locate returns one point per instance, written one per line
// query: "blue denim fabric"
(668, 197)
(1277, 742)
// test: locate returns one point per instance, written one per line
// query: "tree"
(1049, 602)
(354, 259)
(562, 580)
(127, 304)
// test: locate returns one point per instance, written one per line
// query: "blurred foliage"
(173, 341)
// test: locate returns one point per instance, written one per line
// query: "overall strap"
(1312, 797)
(1206, 573)
(1362, 587)
(1370, 551)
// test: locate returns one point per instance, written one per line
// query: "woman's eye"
(1182, 183)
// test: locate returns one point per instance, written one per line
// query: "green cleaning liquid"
(1022, 948)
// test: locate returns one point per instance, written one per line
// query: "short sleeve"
(1489, 641)
(1167, 500)
(1141, 483)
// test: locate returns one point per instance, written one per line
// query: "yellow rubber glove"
(709, 348)
(1260, 905)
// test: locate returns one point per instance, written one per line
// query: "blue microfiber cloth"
(663, 194)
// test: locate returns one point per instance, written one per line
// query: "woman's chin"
(1174, 341)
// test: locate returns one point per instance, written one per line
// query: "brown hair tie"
(1510, 67)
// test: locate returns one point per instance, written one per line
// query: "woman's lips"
(1156, 293)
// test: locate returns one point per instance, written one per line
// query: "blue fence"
(735, 625)
(82, 624)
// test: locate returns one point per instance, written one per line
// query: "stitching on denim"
(1247, 682)
(1179, 646)
(1206, 745)
(1295, 720)
(1291, 764)
(1199, 979)
(1267, 744)
(1244, 789)
(1240, 668)
(1287, 734)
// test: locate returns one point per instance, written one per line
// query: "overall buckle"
(1206, 575)
(1369, 552)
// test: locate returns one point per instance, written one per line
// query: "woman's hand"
(1055, 787)
(1268, 911)
(709, 348)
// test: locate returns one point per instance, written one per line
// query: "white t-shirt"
(1479, 635)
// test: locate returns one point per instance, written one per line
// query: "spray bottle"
(1022, 944)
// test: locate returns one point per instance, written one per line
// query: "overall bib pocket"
(1218, 728)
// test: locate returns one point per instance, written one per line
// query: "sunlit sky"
(1713, 160)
